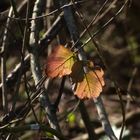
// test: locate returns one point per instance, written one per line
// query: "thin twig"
(71, 25)
(29, 100)
(35, 66)
(106, 24)
(116, 87)
(22, 52)
(93, 22)
(44, 41)
(48, 14)
(98, 102)
(60, 92)
(13, 4)
(129, 88)
(3, 63)
(33, 127)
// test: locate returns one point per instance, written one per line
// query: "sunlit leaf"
(91, 86)
(60, 62)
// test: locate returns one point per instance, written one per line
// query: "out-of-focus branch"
(106, 24)
(48, 14)
(3, 63)
(45, 41)
(33, 127)
(16, 14)
(34, 37)
(104, 118)
(25, 36)
(35, 65)
(131, 116)
(98, 102)
(97, 17)
(106, 123)
(71, 25)
(100, 107)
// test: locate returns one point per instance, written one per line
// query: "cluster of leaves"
(62, 61)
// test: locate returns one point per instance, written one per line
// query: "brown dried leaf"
(60, 62)
(91, 86)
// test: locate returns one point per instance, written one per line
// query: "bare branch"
(35, 66)
(71, 25)
(33, 127)
(45, 41)
(3, 63)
